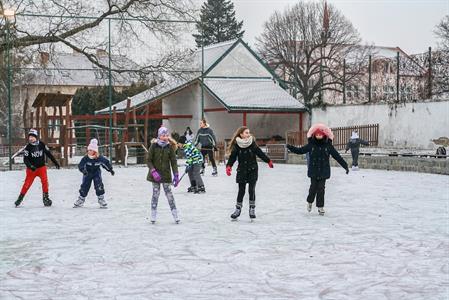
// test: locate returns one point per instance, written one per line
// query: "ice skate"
(215, 172)
(46, 200)
(19, 200)
(79, 202)
(174, 213)
(252, 213)
(153, 216)
(102, 202)
(309, 207)
(236, 213)
(321, 211)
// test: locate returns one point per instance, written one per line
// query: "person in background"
(354, 145)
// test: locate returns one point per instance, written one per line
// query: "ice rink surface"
(384, 236)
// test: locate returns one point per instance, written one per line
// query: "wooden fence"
(369, 133)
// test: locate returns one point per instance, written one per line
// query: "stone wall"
(393, 163)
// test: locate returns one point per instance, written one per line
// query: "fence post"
(369, 78)
(344, 81)
(430, 73)
(397, 77)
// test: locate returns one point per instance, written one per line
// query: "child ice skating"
(161, 161)
(193, 166)
(319, 148)
(206, 139)
(90, 165)
(34, 159)
(354, 145)
(244, 149)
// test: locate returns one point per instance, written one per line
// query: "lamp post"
(8, 15)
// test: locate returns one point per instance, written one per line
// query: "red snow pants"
(31, 175)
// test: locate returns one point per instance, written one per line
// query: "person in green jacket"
(161, 162)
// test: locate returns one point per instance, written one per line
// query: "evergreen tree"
(218, 23)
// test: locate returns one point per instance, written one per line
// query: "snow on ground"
(384, 236)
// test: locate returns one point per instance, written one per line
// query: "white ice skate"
(174, 212)
(309, 207)
(321, 211)
(153, 216)
(102, 202)
(355, 168)
(79, 202)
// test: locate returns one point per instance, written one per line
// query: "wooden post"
(125, 135)
(44, 121)
(87, 131)
(53, 123)
(115, 134)
(69, 132)
(244, 119)
(64, 141)
(145, 128)
(38, 117)
(31, 120)
(106, 138)
(136, 128)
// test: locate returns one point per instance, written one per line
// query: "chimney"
(45, 56)
(101, 53)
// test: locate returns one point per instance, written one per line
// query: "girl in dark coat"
(244, 149)
(354, 145)
(319, 149)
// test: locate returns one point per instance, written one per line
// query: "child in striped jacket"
(193, 166)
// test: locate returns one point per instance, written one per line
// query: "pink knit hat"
(93, 145)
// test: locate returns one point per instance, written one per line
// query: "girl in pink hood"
(319, 149)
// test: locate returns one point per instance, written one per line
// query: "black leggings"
(210, 153)
(251, 191)
(317, 187)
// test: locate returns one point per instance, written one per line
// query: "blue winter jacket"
(92, 166)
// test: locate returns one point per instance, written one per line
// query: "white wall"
(224, 124)
(410, 125)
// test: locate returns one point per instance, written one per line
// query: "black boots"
(46, 200)
(237, 212)
(19, 200)
(252, 212)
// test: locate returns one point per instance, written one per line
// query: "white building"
(239, 89)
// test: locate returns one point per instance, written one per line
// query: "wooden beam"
(215, 109)
(244, 119)
(145, 128)
(68, 133)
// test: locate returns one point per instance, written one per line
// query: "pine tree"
(218, 23)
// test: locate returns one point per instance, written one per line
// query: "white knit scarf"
(244, 143)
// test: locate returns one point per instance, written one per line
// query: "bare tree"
(133, 20)
(309, 43)
(440, 61)
(442, 32)
(52, 25)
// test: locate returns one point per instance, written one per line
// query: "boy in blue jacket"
(90, 167)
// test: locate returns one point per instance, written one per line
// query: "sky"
(408, 24)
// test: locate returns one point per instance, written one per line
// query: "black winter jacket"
(34, 155)
(247, 170)
(319, 152)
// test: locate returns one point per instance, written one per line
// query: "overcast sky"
(408, 24)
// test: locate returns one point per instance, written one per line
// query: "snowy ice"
(384, 236)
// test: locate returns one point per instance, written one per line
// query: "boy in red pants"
(34, 159)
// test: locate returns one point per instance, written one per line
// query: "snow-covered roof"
(76, 70)
(156, 92)
(211, 54)
(252, 94)
(257, 93)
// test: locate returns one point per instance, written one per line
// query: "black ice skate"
(215, 172)
(46, 200)
(321, 211)
(201, 189)
(19, 200)
(252, 212)
(236, 213)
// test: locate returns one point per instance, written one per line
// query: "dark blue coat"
(319, 152)
(93, 166)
